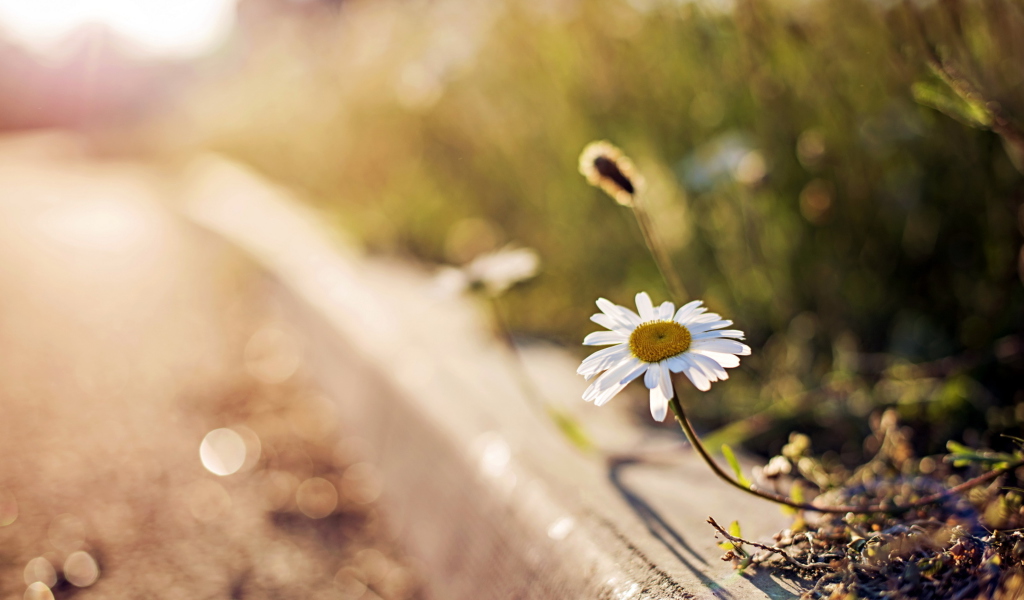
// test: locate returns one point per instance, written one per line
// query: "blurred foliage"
(817, 178)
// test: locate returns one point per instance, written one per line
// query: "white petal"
(664, 312)
(604, 320)
(636, 372)
(693, 318)
(610, 323)
(602, 360)
(665, 383)
(613, 376)
(644, 305)
(718, 333)
(659, 405)
(728, 361)
(676, 364)
(611, 380)
(710, 375)
(652, 377)
(603, 398)
(620, 314)
(704, 318)
(712, 370)
(687, 310)
(695, 375)
(603, 338)
(662, 393)
(722, 345)
(696, 328)
(609, 393)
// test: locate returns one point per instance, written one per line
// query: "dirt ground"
(126, 336)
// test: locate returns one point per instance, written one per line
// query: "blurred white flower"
(657, 342)
(493, 272)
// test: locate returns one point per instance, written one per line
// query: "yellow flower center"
(657, 340)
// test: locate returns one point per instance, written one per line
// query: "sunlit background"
(815, 176)
(180, 28)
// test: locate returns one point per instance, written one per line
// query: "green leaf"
(734, 529)
(735, 464)
(957, 448)
(938, 95)
(796, 492)
(571, 429)
(962, 456)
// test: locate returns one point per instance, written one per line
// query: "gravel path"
(126, 336)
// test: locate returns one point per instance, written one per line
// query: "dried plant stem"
(658, 249)
(738, 540)
(684, 423)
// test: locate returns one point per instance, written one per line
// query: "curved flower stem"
(684, 423)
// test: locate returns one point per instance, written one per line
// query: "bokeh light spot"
(277, 489)
(80, 569)
(751, 169)
(495, 453)
(272, 355)
(561, 528)
(38, 591)
(223, 451)
(8, 508)
(66, 532)
(40, 570)
(361, 483)
(373, 565)
(349, 583)
(816, 201)
(316, 497)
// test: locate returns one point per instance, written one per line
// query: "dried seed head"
(606, 167)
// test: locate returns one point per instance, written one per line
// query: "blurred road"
(126, 335)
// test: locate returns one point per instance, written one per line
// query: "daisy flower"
(656, 343)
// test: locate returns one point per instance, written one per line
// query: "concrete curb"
(480, 486)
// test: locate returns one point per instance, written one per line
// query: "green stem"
(565, 423)
(519, 370)
(684, 423)
(658, 250)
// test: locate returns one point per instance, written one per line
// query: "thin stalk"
(658, 249)
(523, 379)
(566, 424)
(684, 423)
